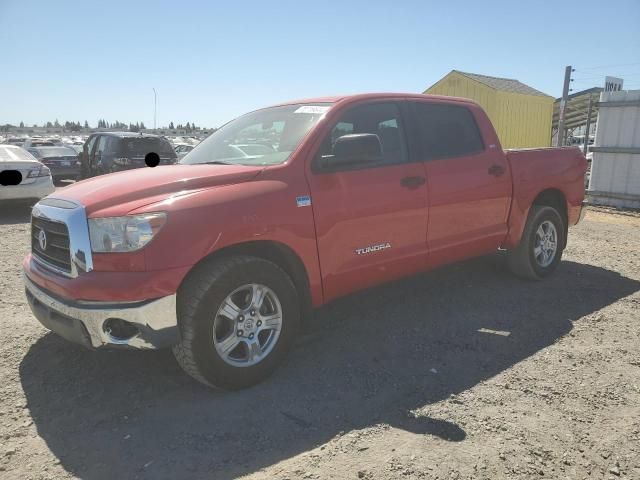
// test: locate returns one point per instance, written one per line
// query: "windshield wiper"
(218, 162)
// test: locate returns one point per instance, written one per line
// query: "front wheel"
(238, 317)
(541, 245)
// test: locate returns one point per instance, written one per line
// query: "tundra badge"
(372, 248)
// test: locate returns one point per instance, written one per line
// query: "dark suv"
(107, 152)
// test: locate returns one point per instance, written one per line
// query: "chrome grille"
(56, 248)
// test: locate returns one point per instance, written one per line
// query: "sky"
(211, 61)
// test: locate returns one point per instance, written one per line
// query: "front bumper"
(155, 321)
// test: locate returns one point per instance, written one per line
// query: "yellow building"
(520, 114)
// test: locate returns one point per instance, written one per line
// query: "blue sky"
(210, 61)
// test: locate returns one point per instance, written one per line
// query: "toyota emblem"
(42, 240)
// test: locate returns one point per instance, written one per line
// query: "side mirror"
(352, 150)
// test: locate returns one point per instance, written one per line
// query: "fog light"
(120, 331)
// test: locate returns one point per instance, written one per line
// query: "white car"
(182, 149)
(36, 178)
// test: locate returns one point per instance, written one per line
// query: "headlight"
(124, 234)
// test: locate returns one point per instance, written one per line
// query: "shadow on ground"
(364, 360)
(13, 213)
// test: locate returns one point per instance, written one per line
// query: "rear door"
(469, 183)
(370, 220)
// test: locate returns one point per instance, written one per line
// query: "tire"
(203, 325)
(525, 261)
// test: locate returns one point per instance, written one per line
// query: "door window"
(446, 131)
(102, 143)
(382, 119)
(91, 143)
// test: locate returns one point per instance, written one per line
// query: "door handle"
(413, 182)
(496, 170)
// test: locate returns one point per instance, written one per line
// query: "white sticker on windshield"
(313, 109)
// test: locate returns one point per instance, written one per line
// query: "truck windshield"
(263, 137)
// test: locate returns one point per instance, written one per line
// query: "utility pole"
(563, 106)
(155, 107)
(588, 127)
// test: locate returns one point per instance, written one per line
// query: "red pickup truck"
(283, 209)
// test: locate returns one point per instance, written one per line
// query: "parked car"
(75, 147)
(36, 181)
(62, 161)
(16, 141)
(182, 149)
(39, 142)
(222, 256)
(108, 152)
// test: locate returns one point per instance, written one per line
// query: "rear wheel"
(238, 316)
(541, 245)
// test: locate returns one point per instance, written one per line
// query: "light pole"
(155, 107)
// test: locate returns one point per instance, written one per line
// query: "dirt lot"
(464, 372)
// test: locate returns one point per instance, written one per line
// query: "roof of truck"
(373, 96)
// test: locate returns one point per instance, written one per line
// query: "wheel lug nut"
(258, 323)
(241, 318)
(240, 332)
(251, 336)
(252, 312)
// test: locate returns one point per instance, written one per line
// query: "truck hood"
(119, 193)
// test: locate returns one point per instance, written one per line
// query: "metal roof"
(503, 84)
(577, 108)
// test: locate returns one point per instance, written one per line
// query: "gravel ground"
(463, 372)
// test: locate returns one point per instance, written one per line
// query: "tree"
(56, 123)
(21, 124)
(142, 127)
(171, 127)
(49, 125)
(86, 124)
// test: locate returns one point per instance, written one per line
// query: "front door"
(370, 221)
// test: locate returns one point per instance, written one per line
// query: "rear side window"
(446, 131)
